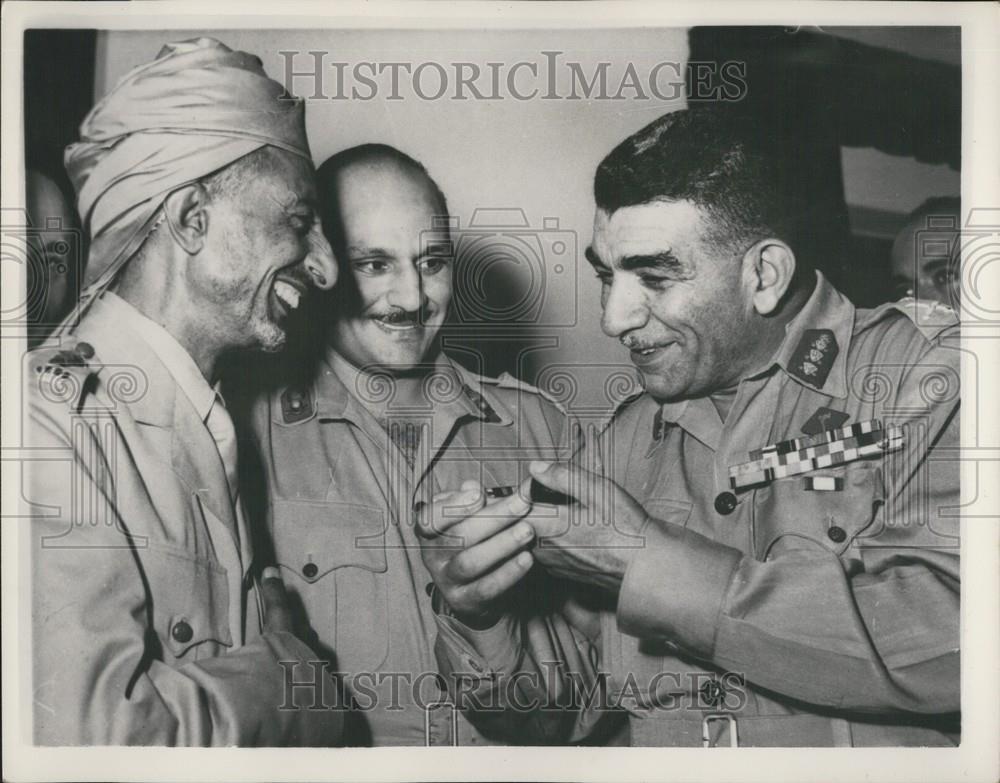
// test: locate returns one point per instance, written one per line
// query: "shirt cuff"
(675, 587)
(488, 650)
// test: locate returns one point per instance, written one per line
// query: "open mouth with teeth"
(285, 298)
(647, 354)
(397, 325)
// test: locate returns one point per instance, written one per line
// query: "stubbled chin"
(271, 336)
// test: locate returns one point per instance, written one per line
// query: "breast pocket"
(825, 509)
(190, 601)
(332, 557)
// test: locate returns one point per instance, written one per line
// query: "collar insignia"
(813, 358)
(485, 409)
(296, 404)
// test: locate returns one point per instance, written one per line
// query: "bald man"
(383, 421)
(152, 623)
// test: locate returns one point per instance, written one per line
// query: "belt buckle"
(706, 740)
(427, 722)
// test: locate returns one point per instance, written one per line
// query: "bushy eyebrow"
(592, 258)
(362, 250)
(664, 262)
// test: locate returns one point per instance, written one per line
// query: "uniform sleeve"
(101, 675)
(871, 627)
(533, 677)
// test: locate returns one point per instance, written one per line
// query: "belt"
(726, 729)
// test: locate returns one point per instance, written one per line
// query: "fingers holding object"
(480, 559)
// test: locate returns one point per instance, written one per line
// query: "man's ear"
(187, 217)
(770, 265)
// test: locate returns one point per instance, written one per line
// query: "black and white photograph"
(515, 381)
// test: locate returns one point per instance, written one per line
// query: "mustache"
(399, 316)
(635, 343)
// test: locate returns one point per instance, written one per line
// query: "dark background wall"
(59, 70)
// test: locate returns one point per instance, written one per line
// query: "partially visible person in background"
(53, 269)
(925, 254)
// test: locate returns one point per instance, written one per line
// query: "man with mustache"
(383, 421)
(776, 528)
(152, 622)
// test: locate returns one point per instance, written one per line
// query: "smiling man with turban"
(151, 621)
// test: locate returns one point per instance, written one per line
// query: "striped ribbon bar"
(825, 455)
(797, 444)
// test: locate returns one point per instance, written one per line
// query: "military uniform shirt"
(340, 498)
(834, 594)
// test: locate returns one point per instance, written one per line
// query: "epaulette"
(63, 374)
(507, 381)
(930, 318)
(489, 414)
(297, 404)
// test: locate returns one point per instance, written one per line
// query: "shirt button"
(836, 534)
(309, 570)
(712, 693)
(182, 632)
(86, 350)
(725, 503)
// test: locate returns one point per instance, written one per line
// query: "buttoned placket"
(220, 425)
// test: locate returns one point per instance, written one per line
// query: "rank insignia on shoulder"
(296, 404)
(824, 419)
(489, 415)
(813, 358)
(76, 356)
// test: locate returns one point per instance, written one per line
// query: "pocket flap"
(314, 538)
(190, 599)
(788, 514)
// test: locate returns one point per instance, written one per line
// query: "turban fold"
(196, 108)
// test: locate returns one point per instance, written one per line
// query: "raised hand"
(593, 538)
(475, 552)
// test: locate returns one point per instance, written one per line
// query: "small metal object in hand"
(539, 493)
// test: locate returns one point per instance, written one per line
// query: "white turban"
(196, 108)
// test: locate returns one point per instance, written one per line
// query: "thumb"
(554, 475)
(563, 479)
(277, 616)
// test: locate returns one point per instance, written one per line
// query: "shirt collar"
(817, 339)
(171, 353)
(339, 384)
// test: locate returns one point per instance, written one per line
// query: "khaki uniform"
(339, 496)
(146, 622)
(786, 614)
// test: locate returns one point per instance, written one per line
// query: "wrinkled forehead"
(645, 229)
(292, 176)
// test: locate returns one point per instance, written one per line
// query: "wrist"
(477, 621)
